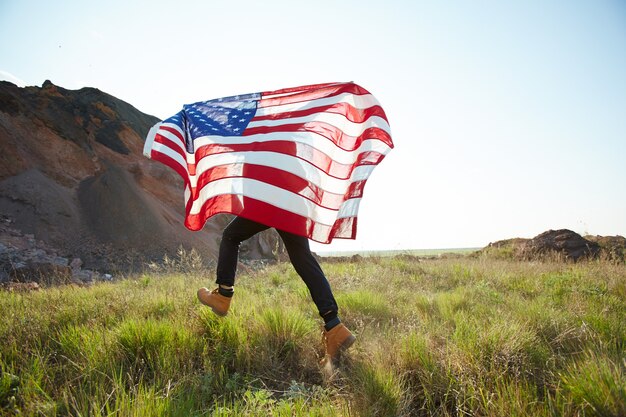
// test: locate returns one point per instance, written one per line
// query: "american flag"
(295, 159)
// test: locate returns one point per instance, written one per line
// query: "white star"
(241, 120)
(235, 116)
(246, 112)
(236, 129)
(229, 126)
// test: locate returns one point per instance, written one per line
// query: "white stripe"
(147, 147)
(172, 137)
(311, 139)
(275, 196)
(349, 208)
(286, 163)
(333, 119)
(187, 194)
(360, 102)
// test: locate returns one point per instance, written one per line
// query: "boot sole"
(347, 343)
(219, 313)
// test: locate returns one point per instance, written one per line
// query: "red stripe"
(300, 89)
(330, 132)
(302, 151)
(309, 95)
(172, 163)
(164, 140)
(173, 131)
(271, 216)
(176, 148)
(281, 179)
(345, 109)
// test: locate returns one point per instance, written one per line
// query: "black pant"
(299, 252)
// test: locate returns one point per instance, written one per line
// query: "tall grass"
(450, 337)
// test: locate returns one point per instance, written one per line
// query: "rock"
(82, 276)
(24, 259)
(76, 264)
(60, 261)
(563, 242)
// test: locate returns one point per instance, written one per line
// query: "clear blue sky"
(509, 117)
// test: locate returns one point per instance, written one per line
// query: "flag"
(296, 159)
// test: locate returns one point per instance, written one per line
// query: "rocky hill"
(73, 176)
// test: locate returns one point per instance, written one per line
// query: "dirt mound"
(118, 213)
(562, 242)
(72, 174)
(558, 244)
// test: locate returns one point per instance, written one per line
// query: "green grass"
(446, 337)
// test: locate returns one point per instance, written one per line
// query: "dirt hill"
(73, 175)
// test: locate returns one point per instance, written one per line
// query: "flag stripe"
(275, 196)
(332, 133)
(286, 163)
(335, 120)
(303, 152)
(300, 167)
(357, 102)
(299, 97)
(282, 179)
(351, 113)
(309, 140)
(262, 212)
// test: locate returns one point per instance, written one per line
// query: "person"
(336, 335)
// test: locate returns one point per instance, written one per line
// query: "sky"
(508, 117)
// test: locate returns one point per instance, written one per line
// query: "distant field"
(446, 337)
(413, 252)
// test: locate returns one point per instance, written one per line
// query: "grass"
(446, 337)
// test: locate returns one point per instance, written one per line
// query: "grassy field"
(410, 252)
(448, 337)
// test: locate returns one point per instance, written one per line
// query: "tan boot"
(218, 303)
(337, 340)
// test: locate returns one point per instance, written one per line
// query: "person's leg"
(337, 336)
(237, 231)
(309, 269)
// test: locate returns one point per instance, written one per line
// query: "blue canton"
(228, 116)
